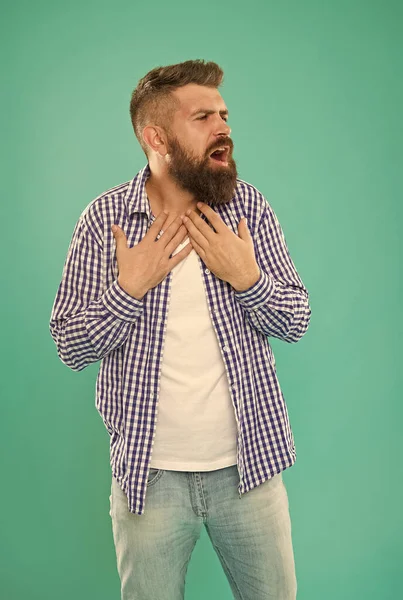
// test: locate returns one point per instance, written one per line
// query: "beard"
(208, 182)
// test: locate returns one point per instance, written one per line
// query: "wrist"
(246, 283)
(135, 293)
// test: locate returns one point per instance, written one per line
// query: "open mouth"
(220, 155)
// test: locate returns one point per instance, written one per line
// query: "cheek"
(196, 143)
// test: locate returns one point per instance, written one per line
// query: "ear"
(154, 138)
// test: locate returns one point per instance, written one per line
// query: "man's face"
(195, 135)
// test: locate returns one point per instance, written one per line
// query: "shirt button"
(206, 271)
(225, 348)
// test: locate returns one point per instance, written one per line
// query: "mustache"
(227, 142)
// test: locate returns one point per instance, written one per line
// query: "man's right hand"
(146, 264)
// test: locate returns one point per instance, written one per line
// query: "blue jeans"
(251, 535)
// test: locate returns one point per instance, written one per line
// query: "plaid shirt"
(94, 319)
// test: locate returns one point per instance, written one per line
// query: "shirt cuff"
(258, 294)
(121, 304)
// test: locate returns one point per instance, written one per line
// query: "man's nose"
(222, 127)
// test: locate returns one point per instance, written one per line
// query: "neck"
(164, 194)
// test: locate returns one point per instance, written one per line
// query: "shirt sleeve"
(87, 322)
(277, 305)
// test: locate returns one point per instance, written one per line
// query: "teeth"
(220, 150)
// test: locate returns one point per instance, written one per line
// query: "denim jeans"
(251, 535)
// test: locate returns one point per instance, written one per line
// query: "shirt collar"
(136, 198)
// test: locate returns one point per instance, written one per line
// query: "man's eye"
(205, 117)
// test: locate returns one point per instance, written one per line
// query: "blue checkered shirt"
(94, 319)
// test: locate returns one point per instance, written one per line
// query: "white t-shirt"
(196, 427)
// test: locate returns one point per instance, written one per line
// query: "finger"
(178, 237)
(158, 223)
(174, 260)
(197, 248)
(171, 230)
(119, 236)
(198, 228)
(212, 216)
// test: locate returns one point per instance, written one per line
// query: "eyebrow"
(208, 112)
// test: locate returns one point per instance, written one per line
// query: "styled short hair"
(152, 99)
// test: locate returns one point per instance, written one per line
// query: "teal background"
(314, 91)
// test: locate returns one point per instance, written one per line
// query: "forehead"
(193, 97)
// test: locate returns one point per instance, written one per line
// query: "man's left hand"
(229, 256)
